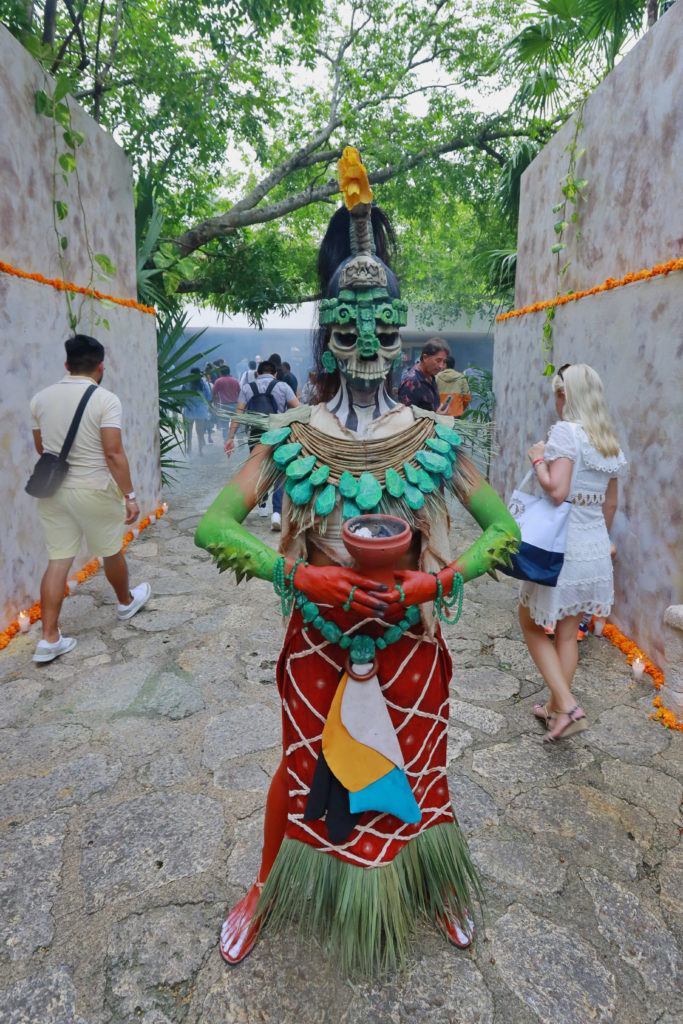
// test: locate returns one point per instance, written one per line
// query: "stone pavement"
(134, 772)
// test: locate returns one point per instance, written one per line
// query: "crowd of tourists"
(216, 394)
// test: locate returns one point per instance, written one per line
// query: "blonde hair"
(586, 404)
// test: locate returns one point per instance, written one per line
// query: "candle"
(24, 621)
(637, 668)
(598, 626)
(164, 506)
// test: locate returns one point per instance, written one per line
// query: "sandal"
(240, 930)
(543, 713)
(576, 722)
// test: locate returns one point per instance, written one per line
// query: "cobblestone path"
(133, 776)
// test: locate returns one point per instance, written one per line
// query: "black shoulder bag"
(49, 471)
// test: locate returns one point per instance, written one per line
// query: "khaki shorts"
(73, 513)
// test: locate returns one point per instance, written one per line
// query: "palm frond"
(175, 356)
(499, 267)
(508, 184)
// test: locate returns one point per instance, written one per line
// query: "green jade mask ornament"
(364, 321)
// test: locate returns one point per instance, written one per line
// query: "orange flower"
(353, 178)
(560, 300)
(7, 268)
(632, 650)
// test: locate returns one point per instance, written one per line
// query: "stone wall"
(631, 219)
(35, 319)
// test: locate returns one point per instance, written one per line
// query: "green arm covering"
(229, 544)
(499, 540)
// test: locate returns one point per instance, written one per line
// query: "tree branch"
(75, 30)
(114, 42)
(49, 22)
(425, 35)
(84, 94)
(97, 90)
(242, 215)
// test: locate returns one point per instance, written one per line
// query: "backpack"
(261, 402)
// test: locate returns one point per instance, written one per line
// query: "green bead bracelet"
(283, 583)
(443, 601)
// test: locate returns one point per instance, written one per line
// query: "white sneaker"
(276, 522)
(46, 651)
(141, 595)
(263, 510)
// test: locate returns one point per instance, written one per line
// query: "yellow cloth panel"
(354, 764)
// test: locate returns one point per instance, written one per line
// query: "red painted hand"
(418, 587)
(331, 584)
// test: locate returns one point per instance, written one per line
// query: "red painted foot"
(458, 931)
(240, 930)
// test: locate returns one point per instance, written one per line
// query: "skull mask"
(364, 319)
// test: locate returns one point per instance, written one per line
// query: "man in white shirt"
(249, 374)
(96, 499)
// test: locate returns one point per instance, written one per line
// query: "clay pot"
(376, 556)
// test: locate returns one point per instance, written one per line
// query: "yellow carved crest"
(353, 178)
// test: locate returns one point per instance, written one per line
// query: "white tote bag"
(544, 526)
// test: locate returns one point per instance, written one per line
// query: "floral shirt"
(416, 389)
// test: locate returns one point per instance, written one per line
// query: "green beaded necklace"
(307, 483)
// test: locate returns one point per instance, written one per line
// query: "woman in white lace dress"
(580, 462)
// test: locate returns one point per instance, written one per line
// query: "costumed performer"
(360, 838)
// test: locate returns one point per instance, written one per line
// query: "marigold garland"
(66, 286)
(633, 651)
(89, 569)
(562, 300)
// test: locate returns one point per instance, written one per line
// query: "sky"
(301, 318)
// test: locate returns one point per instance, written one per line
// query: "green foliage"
(50, 104)
(175, 357)
(507, 192)
(567, 46)
(212, 100)
(256, 271)
(499, 267)
(482, 406)
(572, 190)
(104, 263)
(234, 113)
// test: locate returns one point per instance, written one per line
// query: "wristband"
(130, 497)
(536, 462)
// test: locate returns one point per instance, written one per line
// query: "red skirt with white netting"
(414, 674)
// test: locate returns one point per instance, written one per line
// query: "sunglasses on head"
(560, 372)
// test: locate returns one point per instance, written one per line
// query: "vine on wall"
(51, 102)
(573, 189)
